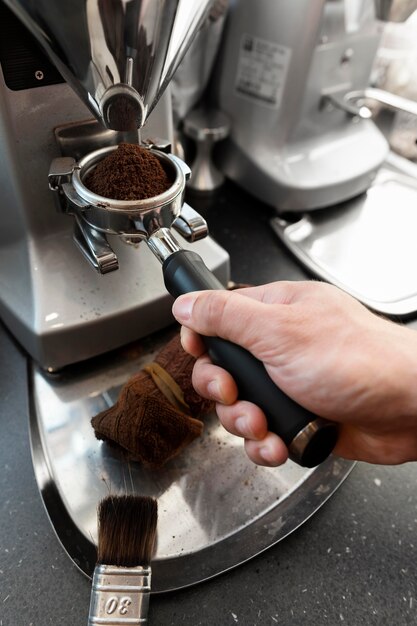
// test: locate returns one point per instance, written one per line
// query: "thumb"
(225, 314)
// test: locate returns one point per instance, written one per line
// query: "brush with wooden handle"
(122, 577)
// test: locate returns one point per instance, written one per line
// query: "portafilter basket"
(135, 219)
(309, 438)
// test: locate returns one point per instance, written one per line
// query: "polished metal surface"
(354, 102)
(120, 595)
(205, 123)
(195, 70)
(134, 220)
(190, 224)
(95, 247)
(54, 304)
(216, 508)
(162, 243)
(303, 438)
(79, 138)
(129, 218)
(206, 127)
(366, 246)
(275, 66)
(118, 56)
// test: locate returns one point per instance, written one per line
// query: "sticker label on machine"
(262, 70)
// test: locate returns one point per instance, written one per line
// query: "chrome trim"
(353, 102)
(162, 243)
(120, 595)
(302, 439)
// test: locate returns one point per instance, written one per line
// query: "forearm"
(380, 426)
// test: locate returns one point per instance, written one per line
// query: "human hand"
(323, 349)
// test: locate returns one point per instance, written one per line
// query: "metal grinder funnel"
(118, 55)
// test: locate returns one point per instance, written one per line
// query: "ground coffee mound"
(128, 173)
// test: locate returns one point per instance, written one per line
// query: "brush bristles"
(126, 530)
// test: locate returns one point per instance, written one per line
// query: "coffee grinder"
(295, 81)
(290, 78)
(117, 59)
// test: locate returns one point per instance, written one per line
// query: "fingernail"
(214, 390)
(267, 454)
(182, 332)
(183, 308)
(241, 425)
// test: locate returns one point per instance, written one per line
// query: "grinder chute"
(118, 55)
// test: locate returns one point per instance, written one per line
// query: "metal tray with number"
(216, 508)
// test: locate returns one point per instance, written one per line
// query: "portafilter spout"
(118, 55)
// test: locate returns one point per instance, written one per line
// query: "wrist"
(401, 370)
(410, 371)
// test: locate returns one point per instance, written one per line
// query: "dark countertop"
(352, 563)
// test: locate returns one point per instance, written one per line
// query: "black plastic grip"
(184, 271)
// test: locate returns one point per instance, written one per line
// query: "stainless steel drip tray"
(216, 508)
(368, 245)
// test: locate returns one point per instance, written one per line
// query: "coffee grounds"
(128, 173)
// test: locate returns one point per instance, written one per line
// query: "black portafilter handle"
(310, 439)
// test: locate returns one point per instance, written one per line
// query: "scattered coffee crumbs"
(128, 173)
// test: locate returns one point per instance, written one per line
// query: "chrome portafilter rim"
(170, 164)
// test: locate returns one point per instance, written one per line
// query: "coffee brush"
(122, 577)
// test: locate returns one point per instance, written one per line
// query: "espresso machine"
(75, 79)
(296, 81)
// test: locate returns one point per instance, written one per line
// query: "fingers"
(191, 342)
(243, 419)
(224, 314)
(246, 420)
(240, 418)
(213, 382)
(285, 291)
(271, 451)
(252, 316)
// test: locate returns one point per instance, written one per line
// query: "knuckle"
(217, 309)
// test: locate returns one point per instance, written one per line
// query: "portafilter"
(310, 439)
